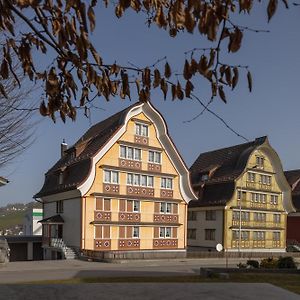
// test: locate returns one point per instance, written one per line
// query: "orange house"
(121, 191)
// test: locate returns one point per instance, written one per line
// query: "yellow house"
(120, 192)
(243, 199)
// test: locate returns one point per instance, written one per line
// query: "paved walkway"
(145, 291)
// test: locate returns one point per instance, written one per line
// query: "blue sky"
(271, 109)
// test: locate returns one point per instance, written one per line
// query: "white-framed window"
(136, 206)
(140, 180)
(154, 157)
(165, 232)
(259, 235)
(141, 129)
(259, 217)
(130, 153)
(168, 208)
(111, 176)
(59, 207)
(136, 232)
(276, 236)
(251, 176)
(244, 235)
(265, 179)
(245, 216)
(241, 195)
(260, 162)
(166, 183)
(191, 233)
(276, 218)
(274, 199)
(258, 197)
(103, 204)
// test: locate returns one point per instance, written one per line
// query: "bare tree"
(16, 123)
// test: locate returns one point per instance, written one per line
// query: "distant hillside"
(11, 219)
(12, 215)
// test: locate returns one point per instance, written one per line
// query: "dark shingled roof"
(222, 166)
(293, 178)
(57, 219)
(75, 165)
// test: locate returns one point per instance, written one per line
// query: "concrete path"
(145, 291)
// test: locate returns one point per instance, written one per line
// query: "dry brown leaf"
(221, 93)
(168, 72)
(272, 6)
(249, 78)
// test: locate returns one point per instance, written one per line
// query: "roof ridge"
(236, 146)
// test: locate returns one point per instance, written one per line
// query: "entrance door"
(60, 231)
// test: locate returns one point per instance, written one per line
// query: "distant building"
(293, 221)
(30, 223)
(244, 199)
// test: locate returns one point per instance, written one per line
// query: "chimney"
(63, 148)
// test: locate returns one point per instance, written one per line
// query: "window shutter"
(175, 209)
(99, 203)
(107, 204)
(106, 232)
(156, 207)
(122, 232)
(129, 232)
(98, 232)
(129, 205)
(122, 205)
(174, 232)
(156, 232)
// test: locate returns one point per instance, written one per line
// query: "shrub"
(269, 263)
(253, 263)
(286, 263)
(241, 266)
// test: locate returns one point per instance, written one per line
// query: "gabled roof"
(76, 163)
(223, 167)
(293, 178)
(57, 219)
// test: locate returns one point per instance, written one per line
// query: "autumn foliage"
(78, 69)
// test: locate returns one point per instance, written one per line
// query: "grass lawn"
(290, 282)
(11, 219)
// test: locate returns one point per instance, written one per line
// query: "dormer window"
(141, 129)
(260, 162)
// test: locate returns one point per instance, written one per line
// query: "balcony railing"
(257, 244)
(255, 224)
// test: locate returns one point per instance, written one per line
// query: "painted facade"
(133, 202)
(248, 209)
